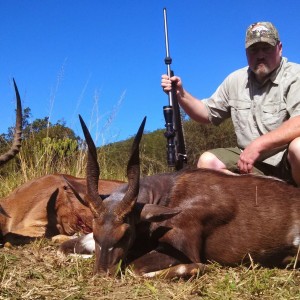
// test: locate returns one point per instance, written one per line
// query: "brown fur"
(229, 219)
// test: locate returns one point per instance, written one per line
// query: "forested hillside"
(54, 148)
(153, 146)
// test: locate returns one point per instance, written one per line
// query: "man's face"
(263, 58)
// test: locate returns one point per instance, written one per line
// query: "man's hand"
(167, 84)
(191, 105)
(248, 158)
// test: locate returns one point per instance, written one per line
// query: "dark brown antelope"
(177, 223)
(46, 206)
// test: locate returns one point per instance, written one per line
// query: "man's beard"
(261, 71)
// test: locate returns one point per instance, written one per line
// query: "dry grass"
(35, 271)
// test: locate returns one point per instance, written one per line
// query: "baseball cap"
(261, 32)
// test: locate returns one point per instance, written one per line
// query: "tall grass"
(38, 158)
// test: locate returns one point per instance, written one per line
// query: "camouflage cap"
(261, 32)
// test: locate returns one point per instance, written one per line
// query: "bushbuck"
(44, 207)
(174, 224)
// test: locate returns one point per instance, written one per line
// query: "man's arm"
(283, 135)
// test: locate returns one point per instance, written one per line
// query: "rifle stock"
(176, 151)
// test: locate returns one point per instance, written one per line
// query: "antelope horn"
(92, 173)
(16, 145)
(133, 175)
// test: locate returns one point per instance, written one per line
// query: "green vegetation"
(54, 148)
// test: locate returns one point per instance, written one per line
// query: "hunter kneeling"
(263, 101)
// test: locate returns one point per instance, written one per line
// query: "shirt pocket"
(239, 113)
(273, 115)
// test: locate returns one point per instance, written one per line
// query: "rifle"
(176, 152)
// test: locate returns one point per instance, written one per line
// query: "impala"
(46, 206)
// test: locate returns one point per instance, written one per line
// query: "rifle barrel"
(176, 153)
(168, 59)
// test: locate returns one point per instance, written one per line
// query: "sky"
(104, 59)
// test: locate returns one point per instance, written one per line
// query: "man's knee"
(294, 151)
(294, 159)
(210, 161)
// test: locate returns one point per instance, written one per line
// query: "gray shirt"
(257, 109)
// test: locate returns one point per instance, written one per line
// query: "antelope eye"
(110, 249)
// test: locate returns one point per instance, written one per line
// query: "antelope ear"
(3, 212)
(157, 213)
(79, 196)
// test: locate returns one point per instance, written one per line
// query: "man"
(263, 100)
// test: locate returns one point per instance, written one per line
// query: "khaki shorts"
(230, 157)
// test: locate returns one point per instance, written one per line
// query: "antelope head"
(113, 217)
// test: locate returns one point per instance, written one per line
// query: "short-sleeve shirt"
(257, 109)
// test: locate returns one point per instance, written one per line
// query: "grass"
(35, 271)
